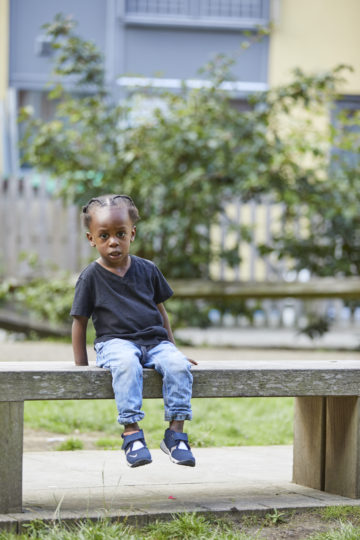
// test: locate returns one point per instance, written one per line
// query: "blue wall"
(168, 47)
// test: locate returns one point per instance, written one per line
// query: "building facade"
(160, 41)
(4, 74)
(315, 36)
(163, 42)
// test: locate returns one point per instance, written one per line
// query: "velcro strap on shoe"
(180, 437)
(128, 439)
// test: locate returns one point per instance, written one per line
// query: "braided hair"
(110, 200)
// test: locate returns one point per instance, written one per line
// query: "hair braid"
(110, 200)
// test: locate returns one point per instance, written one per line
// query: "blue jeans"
(126, 361)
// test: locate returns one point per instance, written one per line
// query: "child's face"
(111, 232)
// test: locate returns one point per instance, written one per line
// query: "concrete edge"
(17, 522)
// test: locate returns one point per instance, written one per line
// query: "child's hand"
(193, 362)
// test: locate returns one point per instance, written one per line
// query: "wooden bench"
(326, 422)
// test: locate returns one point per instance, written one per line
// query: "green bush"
(184, 163)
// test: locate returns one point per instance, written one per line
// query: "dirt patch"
(294, 524)
(42, 441)
(298, 527)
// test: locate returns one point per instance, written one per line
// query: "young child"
(125, 296)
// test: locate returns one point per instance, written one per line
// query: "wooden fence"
(35, 224)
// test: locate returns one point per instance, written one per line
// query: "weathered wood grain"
(37, 381)
(11, 449)
(309, 442)
(342, 461)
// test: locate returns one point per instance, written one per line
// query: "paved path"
(78, 484)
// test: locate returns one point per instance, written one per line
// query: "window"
(157, 7)
(346, 118)
(233, 13)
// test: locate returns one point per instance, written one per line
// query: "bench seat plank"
(47, 380)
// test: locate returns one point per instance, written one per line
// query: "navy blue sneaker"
(177, 447)
(136, 451)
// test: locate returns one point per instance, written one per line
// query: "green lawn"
(196, 527)
(217, 422)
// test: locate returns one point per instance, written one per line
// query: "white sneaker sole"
(139, 463)
(165, 449)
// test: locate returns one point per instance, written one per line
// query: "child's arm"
(78, 335)
(167, 326)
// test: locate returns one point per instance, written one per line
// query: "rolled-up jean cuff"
(180, 417)
(131, 419)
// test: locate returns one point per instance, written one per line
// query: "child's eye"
(103, 235)
(121, 234)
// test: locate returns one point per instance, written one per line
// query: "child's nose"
(114, 241)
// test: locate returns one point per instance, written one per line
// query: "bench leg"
(342, 463)
(309, 442)
(11, 455)
(326, 444)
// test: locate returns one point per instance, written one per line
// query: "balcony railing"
(223, 13)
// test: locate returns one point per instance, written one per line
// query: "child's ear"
(89, 236)
(133, 233)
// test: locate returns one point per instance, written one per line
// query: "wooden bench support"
(326, 444)
(11, 455)
(309, 441)
(342, 464)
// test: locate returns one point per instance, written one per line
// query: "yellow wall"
(315, 35)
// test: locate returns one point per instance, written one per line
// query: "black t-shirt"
(123, 307)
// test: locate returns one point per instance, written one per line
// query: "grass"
(341, 513)
(344, 531)
(346, 523)
(107, 443)
(71, 444)
(189, 526)
(217, 422)
(184, 526)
